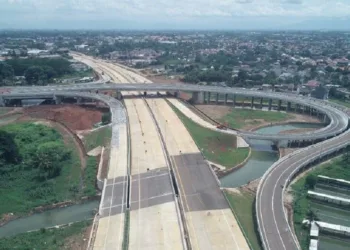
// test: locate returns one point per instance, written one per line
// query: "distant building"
(312, 84)
(37, 52)
(84, 79)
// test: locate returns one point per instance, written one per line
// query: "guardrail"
(293, 175)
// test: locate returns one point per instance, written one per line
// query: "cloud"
(160, 10)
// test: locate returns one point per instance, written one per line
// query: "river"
(262, 157)
(50, 218)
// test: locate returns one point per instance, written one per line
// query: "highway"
(207, 216)
(272, 221)
(209, 220)
(154, 219)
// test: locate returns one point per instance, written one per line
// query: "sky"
(175, 14)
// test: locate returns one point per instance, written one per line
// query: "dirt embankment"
(73, 116)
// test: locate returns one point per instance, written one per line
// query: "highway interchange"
(185, 157)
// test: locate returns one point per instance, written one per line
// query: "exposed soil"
(73, 116)
(79, 241)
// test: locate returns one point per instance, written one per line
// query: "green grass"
(237, 118)
(341, 102)
(90, 176)
(53, 239)
(217, 147)
(100, 137)
(20, 188)
(243, 205)
(301, 204)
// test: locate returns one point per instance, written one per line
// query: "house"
(312, 84)
(37, 52)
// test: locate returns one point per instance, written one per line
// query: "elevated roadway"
(338, 119)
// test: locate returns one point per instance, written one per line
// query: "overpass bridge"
(336, 118)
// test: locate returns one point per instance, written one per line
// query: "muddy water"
(50, 218)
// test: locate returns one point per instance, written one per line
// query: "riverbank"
(72, 236)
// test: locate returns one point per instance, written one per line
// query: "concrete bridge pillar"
(288, 106)
(79, 100)
(252, 103)
(261, 102)
(325, 118)
(226, 95)
(57, 99)
(270, 104)
(198, 97)
(2, 102)
(296, 108)
(119, 95)
(217, 98)
(279, 105)
(209, 96)
(233, 100)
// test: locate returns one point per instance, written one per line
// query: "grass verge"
(100, 137)
(216, 147)
(335, 168)
(90, 173)
(243, 206)
(53, 239)
(237, 118)
(341, 102)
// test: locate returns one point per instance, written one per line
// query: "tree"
(6, 71)
(311, 181)
(106, 118)
(33, 74)
(49, 158)
(8, 148)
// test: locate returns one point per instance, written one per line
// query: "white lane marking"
(153, 176)
(151, 198)
(264, 184)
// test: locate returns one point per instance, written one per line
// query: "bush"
(106, 118)
(311, 181)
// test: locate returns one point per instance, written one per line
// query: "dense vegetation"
(53, 239)
(37, 71)
(38, 168)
